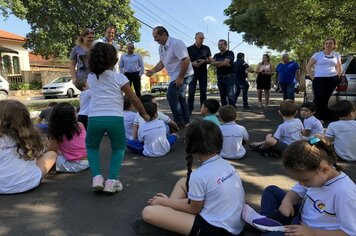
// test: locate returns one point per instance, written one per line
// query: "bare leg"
(46, 161)
(259, 95)
(169, 219)
(179, 191)
(266, 97)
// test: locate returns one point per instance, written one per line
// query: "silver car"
(4, 88)
(61, 86)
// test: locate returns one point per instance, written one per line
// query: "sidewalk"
(65, 205)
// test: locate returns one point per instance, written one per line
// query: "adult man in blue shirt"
(288, 73)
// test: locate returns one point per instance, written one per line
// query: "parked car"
(62, 86)
(4, 88)
(160, 87)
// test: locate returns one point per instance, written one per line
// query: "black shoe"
(247, 107)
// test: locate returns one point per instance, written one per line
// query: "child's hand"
(157, 199)
(146, 117)
(298, 230)
(286, 208)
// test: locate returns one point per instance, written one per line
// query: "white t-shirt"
(16, 175)
(129, 117)
(330, 207)
(325, 64)
(106, 95)
(344, 134)
(161, 116)
(233, 135)
(218, 184)
(171, 55)
(314, 125)
(84, 101)
(289, 131)
(153, 135)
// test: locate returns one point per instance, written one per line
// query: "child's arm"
(291, 199)
(52, 145)
(306, 132)
(37, 120)
(135, 101)
(178, 204)
(306, 230)
(173, 125)
(134, 131)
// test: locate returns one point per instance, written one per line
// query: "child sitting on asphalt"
(84, 100)
(208, 110)
(234, 135)
(129, 117)
(152, 138)
(23, 162)
(287, 132)
(312, 125)
(343, 131)
(171, 126)
(42, 120)
(67, 138)
(321, 203)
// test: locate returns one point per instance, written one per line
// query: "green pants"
(115, 129)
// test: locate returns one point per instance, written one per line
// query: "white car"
(4, 88)
(62, 86)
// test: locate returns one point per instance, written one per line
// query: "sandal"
(255, 147)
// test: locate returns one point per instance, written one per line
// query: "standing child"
(234, 135)
(84, 100)
(312, 126)
(67, 138)
(152, 139)
(208, 110)
(23, 162)
(129, 118)
(210, 200)
(343, 131)
(287, 132)
(106, 114)
(323, 201)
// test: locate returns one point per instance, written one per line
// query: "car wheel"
(70, 93)
(3, 95)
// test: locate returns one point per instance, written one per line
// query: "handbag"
(343, 84)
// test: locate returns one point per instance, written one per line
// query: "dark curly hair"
(103, 56)
(63, 122)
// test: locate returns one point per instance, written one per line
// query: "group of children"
(210, 200)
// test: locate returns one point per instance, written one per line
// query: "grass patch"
(38, 106)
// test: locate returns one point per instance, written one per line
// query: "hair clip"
(314, 140)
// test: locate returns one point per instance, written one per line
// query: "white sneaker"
(98, 183)
(113, 186)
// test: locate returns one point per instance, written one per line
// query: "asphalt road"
(64, 204)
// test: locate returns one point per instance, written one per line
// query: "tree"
(294, 25)
(56, 24)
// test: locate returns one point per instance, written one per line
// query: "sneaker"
(113, 186)
(98, 183)
(267, 224)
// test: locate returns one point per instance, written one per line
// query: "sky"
(182, 19)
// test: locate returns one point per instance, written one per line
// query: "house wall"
(23, 53)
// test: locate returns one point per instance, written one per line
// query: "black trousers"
(135, 79)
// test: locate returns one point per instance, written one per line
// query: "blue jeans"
(244, 87)
(226, 85)
(203, 80)
(177, 101)
(136, 146)
(287, 90)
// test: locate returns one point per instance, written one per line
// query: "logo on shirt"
(223, 179)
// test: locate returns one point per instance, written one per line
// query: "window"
(16, 63)
(7, 64)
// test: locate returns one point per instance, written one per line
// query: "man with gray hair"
(288, 73)
(131, 65)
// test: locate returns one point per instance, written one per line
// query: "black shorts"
(280, 146)
(202, 228)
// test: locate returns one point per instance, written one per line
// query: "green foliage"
(212, 74)
(38, 106)
(55, 24)
(34, 85)
(294, 25)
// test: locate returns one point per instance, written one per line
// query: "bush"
(34, 85)
(14, 86)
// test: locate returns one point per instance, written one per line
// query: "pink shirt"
(74, 149)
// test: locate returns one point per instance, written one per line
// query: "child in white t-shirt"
(84, 100)
(210, 200)
(152, 139)
(23, 162)
(321, 203)
(67, 138)
(287, 132)
(312, 125)
(129, 118)
(234, 136)
(171, 126)
(343, 131)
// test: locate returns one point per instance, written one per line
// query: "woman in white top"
(263, 80)
(327, 69)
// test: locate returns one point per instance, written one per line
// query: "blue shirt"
(286, 72)
(212, 118)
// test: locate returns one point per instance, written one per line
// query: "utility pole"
(228, 40)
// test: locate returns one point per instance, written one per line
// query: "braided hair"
(202, 138)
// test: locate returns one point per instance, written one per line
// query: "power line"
(143, 22)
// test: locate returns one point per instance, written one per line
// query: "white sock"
(249, 214)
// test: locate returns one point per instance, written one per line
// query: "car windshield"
(61, 80)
